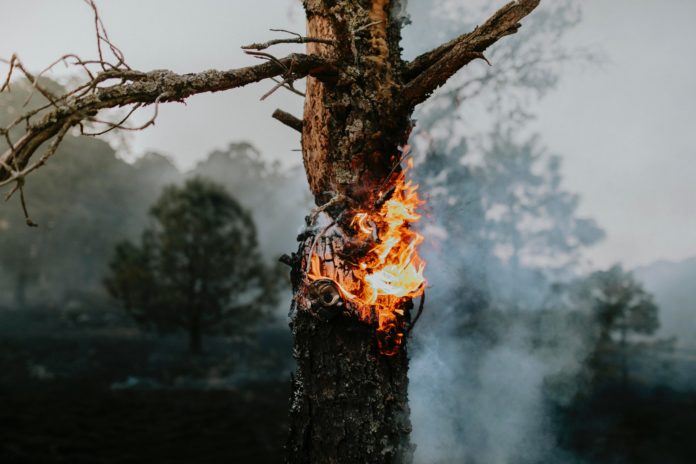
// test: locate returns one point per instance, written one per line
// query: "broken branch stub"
(325, 299)
(288, 119)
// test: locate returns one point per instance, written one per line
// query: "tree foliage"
(620, 304)
(84, 201)
(196, 267)
(276, 197)
(508, 223)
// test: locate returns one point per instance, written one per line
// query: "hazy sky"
(626, 132)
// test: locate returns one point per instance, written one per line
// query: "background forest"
(527, 351)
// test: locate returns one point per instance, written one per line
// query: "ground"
(75, 426)
(80, 387)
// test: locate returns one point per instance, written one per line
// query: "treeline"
(86, 199)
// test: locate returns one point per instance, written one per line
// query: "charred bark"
(349, 402)
(349, 399)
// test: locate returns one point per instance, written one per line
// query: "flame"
(391, 272)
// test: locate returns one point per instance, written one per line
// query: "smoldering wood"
(385, 197)
(342, 408)
(419, 312)
(350, 401)
(288, 260)
(325, 299)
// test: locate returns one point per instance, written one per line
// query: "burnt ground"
(249, 425)
(94, 391)
(97, 390)
(77, 426)
(631, 425)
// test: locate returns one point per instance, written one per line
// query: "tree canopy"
(196, 267)
(620, 304)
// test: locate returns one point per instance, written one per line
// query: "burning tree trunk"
(350, 393)
(357, 268)
(349, 401)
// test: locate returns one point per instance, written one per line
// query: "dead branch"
(297, 40)
(27, 219)
(139, 88)
(289, 86)
(278, 85)
(103, 36)
(288, 77)
(18, 173)
(432, 69)
(288, 119)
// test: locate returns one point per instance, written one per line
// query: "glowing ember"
(382, 280)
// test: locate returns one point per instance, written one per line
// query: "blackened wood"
(349, 401)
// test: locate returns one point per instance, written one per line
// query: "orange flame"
(391, 272)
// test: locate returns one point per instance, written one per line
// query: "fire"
(381, 280)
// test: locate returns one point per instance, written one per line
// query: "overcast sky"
(626, 132)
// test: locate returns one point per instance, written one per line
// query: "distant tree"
(509, 225)
(275, 196)
(620, 307)
(84, 201)
(197, 268)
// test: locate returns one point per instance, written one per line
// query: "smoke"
(498, 348)
(473, 400)
(487, 408)
(495, 353)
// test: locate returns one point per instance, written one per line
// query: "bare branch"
(15, 175)
(119, 124)
(278, 85)
(297, 40)
(103, 36)
(11, 63)
(27, 218)
(138, 88)
(289, 86)
(286, 31)
(432, 69)
(288, 119)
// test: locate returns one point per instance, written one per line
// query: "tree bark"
(349, 400)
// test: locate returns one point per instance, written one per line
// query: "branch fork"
(432, 69)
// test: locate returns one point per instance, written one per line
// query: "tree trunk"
(350, 401)
(350, 392)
